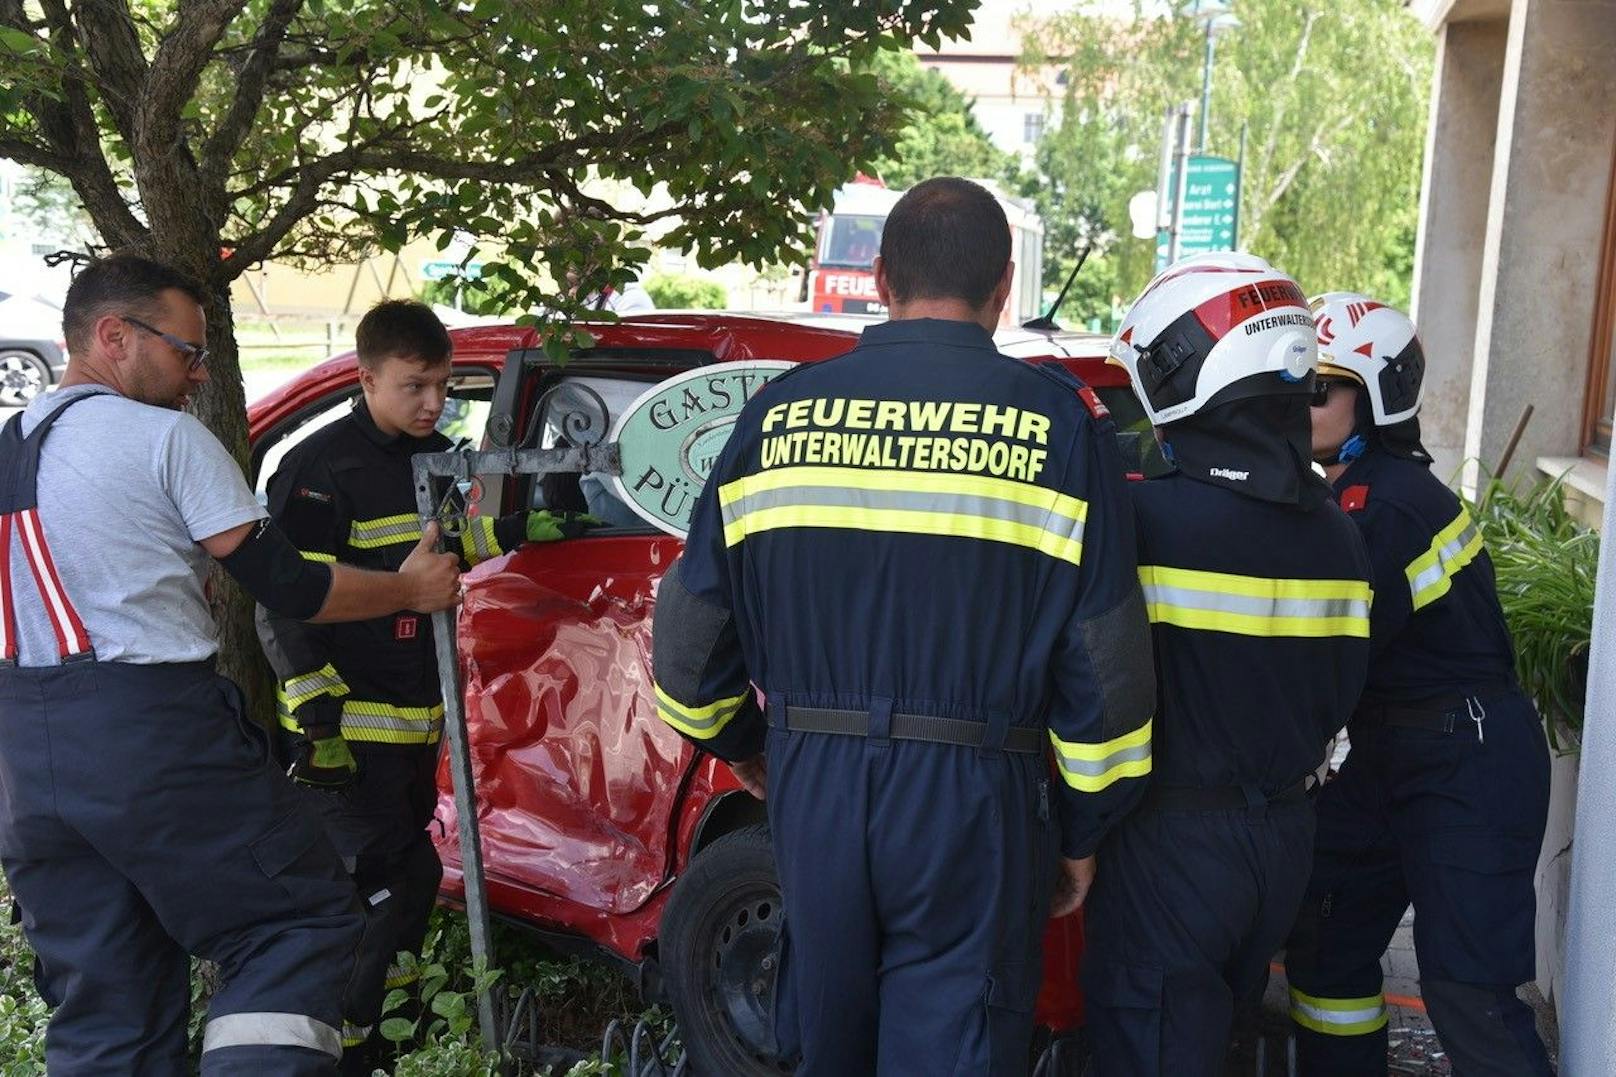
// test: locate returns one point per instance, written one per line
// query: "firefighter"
(361, 708)
(141, 819)
(1258, 593)
(921, 554)
(1443, 798)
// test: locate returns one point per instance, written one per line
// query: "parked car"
(603, 830)
(33, 356)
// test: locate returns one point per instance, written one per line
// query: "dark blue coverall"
(140, 819)
(1260, 614)
(1442, 801)
(921, 553)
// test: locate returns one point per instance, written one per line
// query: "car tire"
(719, 955)
(23, 376)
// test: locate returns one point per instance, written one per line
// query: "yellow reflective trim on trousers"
(323, 558)
(1430, 575)
(398, 976)
(478, 543)
(703, 723)
(354, 1035)
(906, 502)
(1255, 605)
(384, 531)
(1091, 767)
(325, 681)
(1339, 1016)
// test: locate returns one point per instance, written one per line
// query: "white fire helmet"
(1374, 345)
(1208, 323)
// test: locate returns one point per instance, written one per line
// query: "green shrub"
(680, 292)
(1546, 563)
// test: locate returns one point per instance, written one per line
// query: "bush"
(671, 292)
(1546, 563)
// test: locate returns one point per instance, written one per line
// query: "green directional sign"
(1211, 211)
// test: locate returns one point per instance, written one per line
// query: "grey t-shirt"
(126, 490)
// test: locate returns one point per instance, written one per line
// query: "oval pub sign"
(670, 437)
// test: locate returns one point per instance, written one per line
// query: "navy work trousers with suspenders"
(141, 821)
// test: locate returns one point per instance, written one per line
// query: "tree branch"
(26, 153)
(71, 132)
(184, 52)
(251, 82)
(112, 47)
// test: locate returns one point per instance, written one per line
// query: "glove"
(324, 761)
(546, 526)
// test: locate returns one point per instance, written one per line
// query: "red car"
(591, 808)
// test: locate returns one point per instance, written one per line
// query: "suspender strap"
(19, 512)
(922, 727)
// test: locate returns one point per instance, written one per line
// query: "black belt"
(1441, 714)
(922, 727)
(1220, 797)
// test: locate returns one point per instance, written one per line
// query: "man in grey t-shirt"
(140, 818)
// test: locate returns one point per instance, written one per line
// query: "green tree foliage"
(681, 291)
(943, 136)
(218, 134)
(1334, 99)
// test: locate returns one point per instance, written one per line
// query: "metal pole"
(463, 466)
(1206, 83)
(1182, 186)
(1164, 171)
(1240, 186)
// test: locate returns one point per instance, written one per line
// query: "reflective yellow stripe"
(398, 976)
(703, 723)
(906, 502)
(1255, 605)
(384, 531)
(1430, 575)
(354, 1035)
(382, 723)
(1339, 1016)
(478, 542)
(1090, 768)
(325, 681)
(327, 558)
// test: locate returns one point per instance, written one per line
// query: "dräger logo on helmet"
(1229, 473)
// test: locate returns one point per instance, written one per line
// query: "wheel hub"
(744, 953)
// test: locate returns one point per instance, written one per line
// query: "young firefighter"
(360, 703)
(1443, 799)
(1257, 588)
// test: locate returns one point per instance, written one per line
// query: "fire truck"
(841, 275)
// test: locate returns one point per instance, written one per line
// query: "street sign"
(1210, 216)
(440, 270)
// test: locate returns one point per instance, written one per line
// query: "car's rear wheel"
(23, 376)
(719, 956)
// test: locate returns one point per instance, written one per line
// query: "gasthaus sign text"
(670, 437)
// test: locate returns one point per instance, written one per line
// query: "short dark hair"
(119, 283)
(401, 329)
(947, 238)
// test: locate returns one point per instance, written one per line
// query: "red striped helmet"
(1206, 330)
(1374, 345)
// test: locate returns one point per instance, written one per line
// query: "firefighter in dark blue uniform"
(1443, 798)
(360, 704)
(141, 819)
(921, 554)
(1258, 593)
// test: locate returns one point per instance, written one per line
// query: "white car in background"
(33, 355)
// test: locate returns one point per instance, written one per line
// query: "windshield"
(851, 241)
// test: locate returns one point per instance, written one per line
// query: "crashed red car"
(602, 828)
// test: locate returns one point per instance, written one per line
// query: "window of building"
(1032, 126)
(1599, 403)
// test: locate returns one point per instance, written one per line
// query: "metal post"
(1182, 187)
(463, 466)
(1240, 187)
(1164, 171)
(1206, 83)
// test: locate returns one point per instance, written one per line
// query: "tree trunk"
(221, 405)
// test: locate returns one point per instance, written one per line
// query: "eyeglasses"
(1321, 390)
(195, 354)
